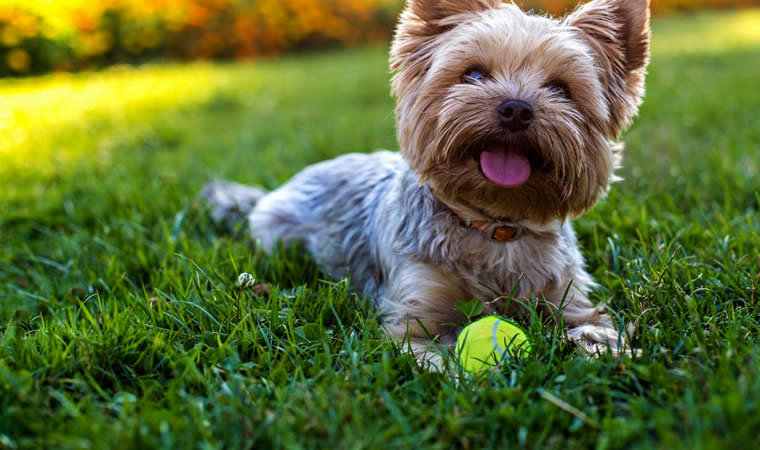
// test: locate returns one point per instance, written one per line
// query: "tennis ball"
(483, 344)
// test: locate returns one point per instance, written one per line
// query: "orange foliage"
(78, 34)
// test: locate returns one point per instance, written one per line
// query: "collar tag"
(497, 232)
(504, 234)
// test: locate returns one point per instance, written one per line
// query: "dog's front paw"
(430, 361)
(595, 340)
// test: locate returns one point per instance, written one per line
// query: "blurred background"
(40, 36)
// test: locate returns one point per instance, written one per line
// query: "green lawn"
(121, 326)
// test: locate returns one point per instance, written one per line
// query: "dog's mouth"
(508, 164)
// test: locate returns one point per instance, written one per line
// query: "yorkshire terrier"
(508, 125)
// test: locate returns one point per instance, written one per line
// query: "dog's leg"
(419, 309)
(589, 326)
(231, 202)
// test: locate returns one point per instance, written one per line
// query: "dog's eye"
(558, 88)
(474, 75)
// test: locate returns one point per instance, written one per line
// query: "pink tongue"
(503, 167)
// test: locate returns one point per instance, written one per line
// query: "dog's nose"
(515, 115)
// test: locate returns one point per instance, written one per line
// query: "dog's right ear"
(421, 22)
(433, 11)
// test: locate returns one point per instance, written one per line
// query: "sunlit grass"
(708, 32)
(35, 112)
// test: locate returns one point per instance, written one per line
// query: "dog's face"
(515, 115)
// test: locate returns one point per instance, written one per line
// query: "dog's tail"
(231, 202)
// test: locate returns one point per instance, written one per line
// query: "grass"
(121, 326)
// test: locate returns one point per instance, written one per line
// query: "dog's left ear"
(618, 33)
(431, 11)
(423, 20)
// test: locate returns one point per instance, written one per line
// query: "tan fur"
(420, 306)
(600, 52)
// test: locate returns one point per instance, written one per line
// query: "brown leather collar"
(497, 231)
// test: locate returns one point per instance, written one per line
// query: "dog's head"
(516, 115)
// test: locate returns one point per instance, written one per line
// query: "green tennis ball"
(481, 345)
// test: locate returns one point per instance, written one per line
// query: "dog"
(508, 124)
